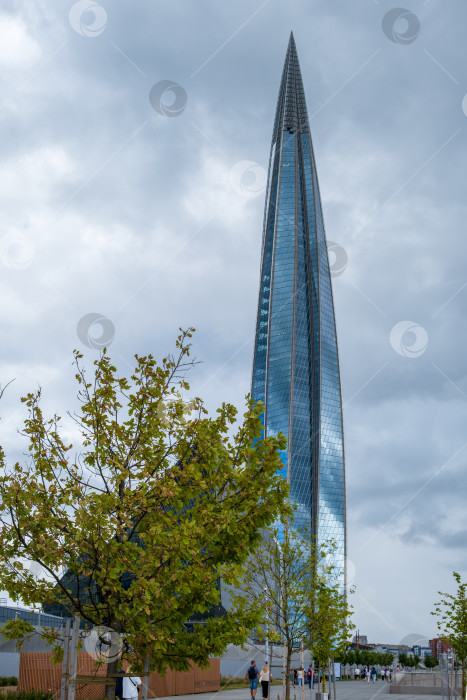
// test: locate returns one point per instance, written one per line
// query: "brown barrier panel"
(185, 682)
(37, 672)
(208, 680)
(161, 686)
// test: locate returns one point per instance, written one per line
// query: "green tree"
(403, 659)
(331, 621)
(157, 505)
(292, 583)
(451, 612)
(430, 661)
(364, 657)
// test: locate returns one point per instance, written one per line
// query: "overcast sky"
(143, 206)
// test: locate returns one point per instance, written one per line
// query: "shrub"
(27, 695)
(8, 680)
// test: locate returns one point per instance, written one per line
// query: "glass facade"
(35, 618)
(296, 364)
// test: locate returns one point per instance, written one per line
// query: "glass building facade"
(296, 364)
(8, 612)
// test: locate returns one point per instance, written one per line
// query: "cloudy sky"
(140, 205)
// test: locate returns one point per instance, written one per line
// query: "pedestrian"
(368, 674)
(295, 677)
(252, 675)
(315, 679)
(130, 687)
(300, 676)
(363, 673)
(373, 674)
(383, 673)
(119, 686)
(388, 675)
(309, 675)
(264, 678)
(357, 673)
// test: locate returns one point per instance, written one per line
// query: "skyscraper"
(296, 364)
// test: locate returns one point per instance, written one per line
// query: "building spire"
(291, 112)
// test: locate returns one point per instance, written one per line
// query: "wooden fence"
(37, 672)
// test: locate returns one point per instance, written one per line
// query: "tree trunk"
(287, 674)
(112, 668)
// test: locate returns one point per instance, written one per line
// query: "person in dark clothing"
(119, 686)
(252, 675)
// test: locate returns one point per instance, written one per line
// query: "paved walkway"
(345, 690)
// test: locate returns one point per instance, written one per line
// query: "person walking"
(373, 674)
(264, 678)
(388, 675)
(357, 674)
(119, 686)
(252, 675)
(130, 687)
(309, 675)
(300, 677)
(295, 677)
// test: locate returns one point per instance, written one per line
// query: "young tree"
(403, 659)
(451, 612)
(430, 661)
(292, 583)
(159, 504)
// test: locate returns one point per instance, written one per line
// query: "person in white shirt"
(300, 676)
(130, 687)
(264, 678)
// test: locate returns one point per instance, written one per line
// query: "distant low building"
(9, 653)
(439, 646)
(420, 651)
(36, 617)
